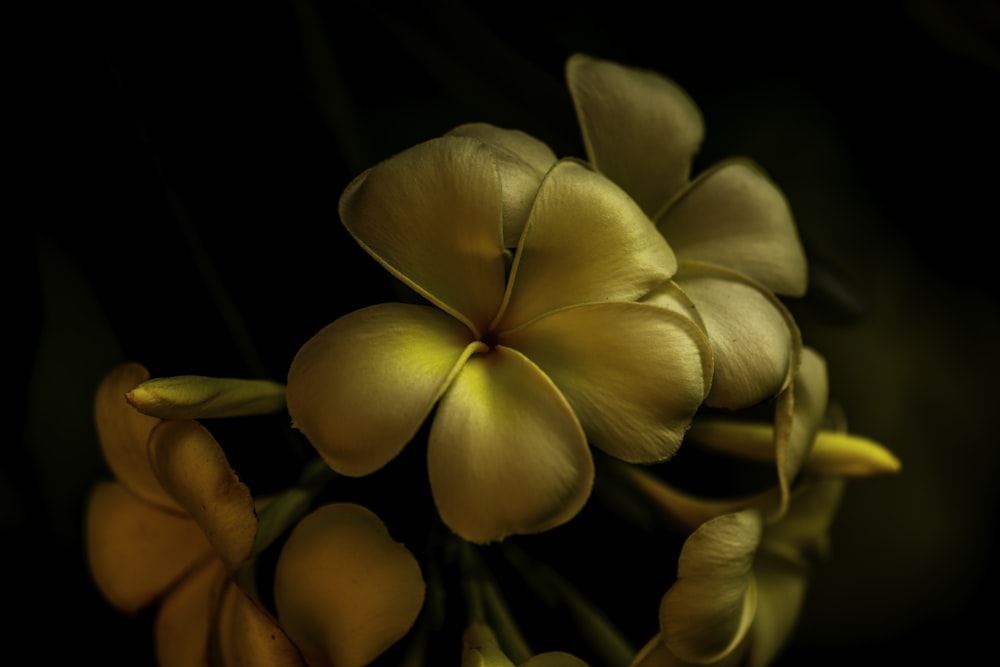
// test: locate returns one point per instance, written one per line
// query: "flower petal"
(506, 455)
(706, 613)
(635, 374)
(186, 619)
(136, 551)
(754, 338)
(432, 216)
(248, 637)
(523, 161)
(123, 433)
(193, 468)
(803, 532)
(585, 241)
(734, 216)
(639, 127)
(361, 387)
(656, 654)
(781, 592)
(811, 392)
(344, 590)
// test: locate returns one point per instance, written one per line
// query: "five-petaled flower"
(522, 359)
(731, 228)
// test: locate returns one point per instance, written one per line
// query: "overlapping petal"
(362, 386)
(123, 433)
(344, 589)
(523, 161)
(135, 550)
(480, 648)
(707, 612)
(432, 216)
(585, 241)
(639, 128)
(734, 216)
(635, 374)
(194, 470)
(506, 453)
(186, 618)
(755, 340)
(247, 637)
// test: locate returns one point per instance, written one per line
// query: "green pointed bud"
(198, 397)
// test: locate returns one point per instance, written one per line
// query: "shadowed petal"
(432, 215)
(656, 654)
(635, 374)
(754, 338)
(247, 637)
(781, 592)
(811, 393)
(734, 216)
(706, 613)
(345, 591)
(480, 647)
(136, 551)
(506, 455)
(186, 618)
(123, 433)
(362, 386)
(639, 127)
(523, 161)
(193, 468)
(585, 241)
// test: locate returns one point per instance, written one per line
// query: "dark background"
(175, 203)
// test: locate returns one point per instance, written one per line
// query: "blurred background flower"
(184, 167)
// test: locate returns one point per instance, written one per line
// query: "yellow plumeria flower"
(732, 231)
(741, 583)
(171, 529)
(521, 360)
(480, 648)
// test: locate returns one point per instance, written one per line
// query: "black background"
(166, 153)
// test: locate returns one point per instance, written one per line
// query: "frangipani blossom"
(172, 528)
(741, 583)
(523, 361)
(731, 229)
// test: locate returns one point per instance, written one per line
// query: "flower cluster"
(566, 325)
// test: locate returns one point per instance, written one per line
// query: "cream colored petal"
(193, 468)
(635, 374)
(185, 622)
(639, 127)
(781, 590)
(506, 455)
(585, 241)
(706, 613)
(432, 215)
(803, 532)
(811, 393)
(198, 397)
(136, 551)
(523, 161)
(123, 433)
(362, 386)
(734, 216)
(247, 637)
(345, 591)
(755, 340)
